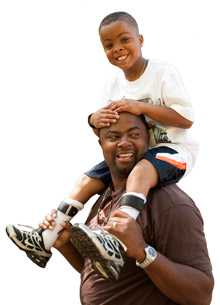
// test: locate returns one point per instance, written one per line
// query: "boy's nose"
(118, 47)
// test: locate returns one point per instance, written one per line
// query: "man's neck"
(119, 183)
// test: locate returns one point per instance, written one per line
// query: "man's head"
(121, 40)
(124, 143)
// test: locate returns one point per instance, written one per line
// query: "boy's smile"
(122, 45)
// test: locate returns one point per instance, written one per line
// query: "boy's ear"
(141, 39)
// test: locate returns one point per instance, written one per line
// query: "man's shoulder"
(170, 196)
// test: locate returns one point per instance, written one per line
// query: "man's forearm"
(72, 256)
(182, 284)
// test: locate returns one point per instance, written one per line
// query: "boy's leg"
(37, 242)
(161, 166)
(84, 189)
(142, 178)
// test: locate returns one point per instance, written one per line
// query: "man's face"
(122, 44)
(124, 143)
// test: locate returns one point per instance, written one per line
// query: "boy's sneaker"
(105, 251)
(30, 240)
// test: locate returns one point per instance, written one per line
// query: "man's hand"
(129, 232)
(64, 235)
(126, 105)
(104, 117)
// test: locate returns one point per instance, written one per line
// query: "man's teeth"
(127, 155)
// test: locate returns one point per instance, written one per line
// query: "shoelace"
(33, 239)
(111, 245)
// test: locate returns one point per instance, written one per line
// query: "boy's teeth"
(122, 57)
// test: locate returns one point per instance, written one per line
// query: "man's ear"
(141, 39)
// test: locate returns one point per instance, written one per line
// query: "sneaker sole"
(85, 243)
(12, 234)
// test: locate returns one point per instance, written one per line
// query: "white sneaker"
(30, 240)
(105, 251)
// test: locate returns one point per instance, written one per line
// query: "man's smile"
(125, 156)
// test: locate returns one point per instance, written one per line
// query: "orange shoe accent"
(175, 163)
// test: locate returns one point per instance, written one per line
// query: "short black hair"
(119, 16)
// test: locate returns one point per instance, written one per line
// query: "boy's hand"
(126, 105)
(104, 117)
(64, 235)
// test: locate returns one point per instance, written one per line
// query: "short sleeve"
(180, 237)
(174, 94)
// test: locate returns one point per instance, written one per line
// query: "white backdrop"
(51, 70)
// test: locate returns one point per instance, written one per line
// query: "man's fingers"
(119, 213)
(49, 221)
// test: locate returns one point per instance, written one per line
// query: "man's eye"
(135, 135)
(113, 138)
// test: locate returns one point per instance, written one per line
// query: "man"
(166, 255)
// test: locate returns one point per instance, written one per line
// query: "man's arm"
(72, 256)
(63, 243)
(181, 283)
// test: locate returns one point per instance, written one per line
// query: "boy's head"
(122, 43)
(116, 16)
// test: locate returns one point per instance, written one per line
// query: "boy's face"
(122, 44)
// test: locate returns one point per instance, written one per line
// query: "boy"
(144, 87)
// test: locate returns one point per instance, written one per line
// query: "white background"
(52, 67)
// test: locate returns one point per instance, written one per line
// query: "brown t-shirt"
(172, 224)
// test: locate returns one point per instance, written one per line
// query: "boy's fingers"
(110, 114)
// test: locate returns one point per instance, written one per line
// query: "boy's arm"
(161, 114)
(174, 108)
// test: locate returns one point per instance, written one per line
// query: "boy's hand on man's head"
(126, 105)
(104, 117)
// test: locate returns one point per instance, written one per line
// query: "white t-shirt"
(160, 84)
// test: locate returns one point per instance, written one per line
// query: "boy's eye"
(125, 39)
(108, 46)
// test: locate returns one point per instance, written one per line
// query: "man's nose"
(124, 142)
